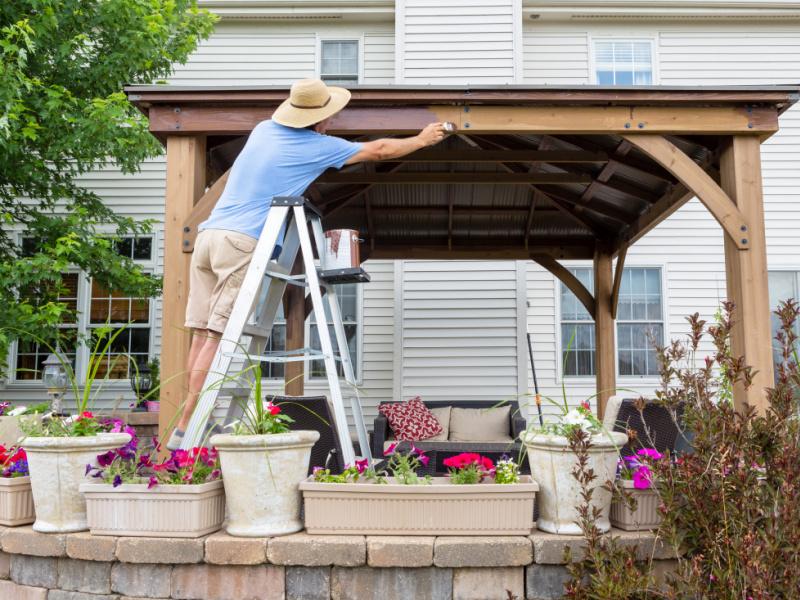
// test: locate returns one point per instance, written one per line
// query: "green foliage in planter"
(63, 66)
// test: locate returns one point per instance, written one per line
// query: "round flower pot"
(57, 469)
(552, 461)
(261, 474)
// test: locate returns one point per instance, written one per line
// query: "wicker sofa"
(440, 449)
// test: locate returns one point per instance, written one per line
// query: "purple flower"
(390, 449)
(88, 468)
(214, 474)
(316, 470)
(117, 480)
(362, 465)
(106, 458)
(153, 482)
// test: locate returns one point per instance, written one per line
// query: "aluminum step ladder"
(253, 316)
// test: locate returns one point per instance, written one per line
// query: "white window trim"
(623, 37)
(578, 380)
(359, 39)
(83, 304)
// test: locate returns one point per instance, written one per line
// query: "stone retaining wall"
(79, 566)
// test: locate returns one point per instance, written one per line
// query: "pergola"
(533, 173)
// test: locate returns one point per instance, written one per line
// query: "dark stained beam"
(411, 177)
(493, 156)
(604, 175)
(573, 250)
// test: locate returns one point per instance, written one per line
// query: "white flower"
(17, 411)
(575, 417)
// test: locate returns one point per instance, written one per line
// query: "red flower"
(85, 415)
(272, 408)
(585, 404)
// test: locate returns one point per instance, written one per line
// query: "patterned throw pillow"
(411, 420)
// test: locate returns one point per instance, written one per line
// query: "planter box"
(184, 511)
(646, 515)
(16, 501)
(441, 508)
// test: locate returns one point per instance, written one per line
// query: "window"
(339, 61)
(640, 324)
(783, 285)
(624, 62)
(91, 306)
(347, 295)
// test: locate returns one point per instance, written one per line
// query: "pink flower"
(424, 459)
(152, 483)
(362, 465)
(272, 408)
(642, 478)
(650, 453)
(390, 449)
(316, 470)
(585, 404)
(85, 415)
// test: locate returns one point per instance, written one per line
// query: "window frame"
(785, 268)
(590, 379)
(622, 37)
(83, 352)
(357, 38)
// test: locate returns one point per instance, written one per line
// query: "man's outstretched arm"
(388, 148)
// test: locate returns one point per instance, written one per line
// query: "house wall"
(457, 329)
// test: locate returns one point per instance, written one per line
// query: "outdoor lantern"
(141, 383)
(54, 376)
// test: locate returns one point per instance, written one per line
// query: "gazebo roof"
(531, 171)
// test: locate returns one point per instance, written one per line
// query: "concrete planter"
(10, 431)
(441, 508)
(57, 467)
(130, 509)
(552, 462)
(261, 474)
(646, 515)
(16, 501)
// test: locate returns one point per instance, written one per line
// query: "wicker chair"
(440, 450)
(654, 426)
(314, 413)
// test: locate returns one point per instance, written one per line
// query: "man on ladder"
(282, 157)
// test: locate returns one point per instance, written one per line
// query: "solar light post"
(141, 384)
(54, 376)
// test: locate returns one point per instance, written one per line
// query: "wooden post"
(186, 165)
(294, 308)
(746, 270)
(605, 352)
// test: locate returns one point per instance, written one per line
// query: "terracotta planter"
(16, 501)
(181, 511)
(646, 515)
(441, 508)
(261, 474)
(552, 461)
(10, 431)
(57, 467)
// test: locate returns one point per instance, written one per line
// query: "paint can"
(341, 249)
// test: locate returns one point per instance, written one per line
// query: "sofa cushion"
(442, 415)
(480, 424)
(410, 420)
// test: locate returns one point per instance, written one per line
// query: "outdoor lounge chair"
(439, 450)
(314, 413)
(654, 426)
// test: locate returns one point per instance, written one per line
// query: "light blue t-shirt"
(276, 161)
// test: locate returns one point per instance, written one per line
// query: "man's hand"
(432, 134)
(389, 148)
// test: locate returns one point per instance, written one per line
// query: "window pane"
(31, 355)
(339, 60)
(578, 347)
(623, 62)
(636, 348)
(277, 342)
(317, 367)
(783, 285)
(571, 307)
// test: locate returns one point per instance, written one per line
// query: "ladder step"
(256, 331)
(280, 356)
(352, 275)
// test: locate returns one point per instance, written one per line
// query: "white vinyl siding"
(378, 57)
(459, 330)
(457, 43)
(555, 58)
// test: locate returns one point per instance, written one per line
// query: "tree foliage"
(63, 66)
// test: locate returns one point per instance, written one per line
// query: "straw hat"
(310, 101)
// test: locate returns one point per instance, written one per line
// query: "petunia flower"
(390, 449)
(106, 458)
(424, 459)
(89, 467)
(152, 482)
(362, 465)
(117, 480)
(642, 478)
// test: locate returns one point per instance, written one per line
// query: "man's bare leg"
(201, 355)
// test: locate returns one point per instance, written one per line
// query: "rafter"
(568, 279)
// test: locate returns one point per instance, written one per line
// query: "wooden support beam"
(336, 203)
(698, 181)
(494, 156)
(480, 177)
(746, 271)
(201, 211)
(619, 270)
(186, 176)
(294, 310)
(561, 249)
(529, 222)
(605, 352)
(568, 279)
(604, 175)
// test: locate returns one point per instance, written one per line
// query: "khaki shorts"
(219, 263)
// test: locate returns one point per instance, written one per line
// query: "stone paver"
(11, 590)
(301, 549)
(308, 583)
(5, 565)
(399, 551)
(141, 581)
(24, 540)
(36, 571)
(160, 550)
(493, 583)
(500, 551)
(223, 549)
(366, 583)
(548, 548)
(84, 576)
(62, 595)
(201, 582)
(545, 582)
(85, 546)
